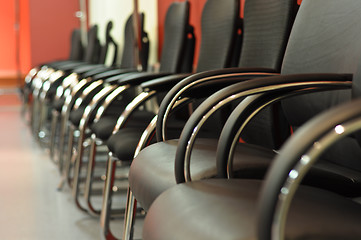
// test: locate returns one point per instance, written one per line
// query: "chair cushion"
(105, 126)
(76, 115)
(124, 142)
(58, 104)
(227, 209)
(152, 171)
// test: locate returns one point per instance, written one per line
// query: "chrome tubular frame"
(137, 101)
(69, 95)
(195, 83)
(131, 205)
(83, 125)
(231, 98)
(26, 95)
(246, 102)
(107, 198)
(296, 175)
(42, 104)
(109, 99)
(64, 120)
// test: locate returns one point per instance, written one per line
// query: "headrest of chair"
(175, 34)
(324, 39)
(219, 29)
(76, 48)
(266, 28)
(92, 48)
(128, 58)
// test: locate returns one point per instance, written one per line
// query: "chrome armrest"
(242, 90)
(295, 158)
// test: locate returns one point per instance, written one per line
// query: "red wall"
(45, 28)
(51, 23)
(7, 36)
(25, 48)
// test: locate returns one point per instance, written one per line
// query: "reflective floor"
(31, 208)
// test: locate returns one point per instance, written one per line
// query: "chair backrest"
(128, 54)
(76, 48)
(220, 21)
(266, 28)
(105, 48)
(175, 34)
(91, 54)
(331, 45)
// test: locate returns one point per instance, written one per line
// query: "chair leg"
(129, 217)
(77, 169)
(54, 125)
(69, 156)
(63, 130)
(89, 177)
(68, 160)
(42, 115)
(107, 199)
(34, 112)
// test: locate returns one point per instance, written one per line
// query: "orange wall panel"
(44, 32)
(51, 23)
(7, 36)
(24, 37)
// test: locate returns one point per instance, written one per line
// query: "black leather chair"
(321, 42)
(47, 80)
(269, 47)
(270, 62)
(218, 27)
(173, 57)
(82, 78)
(76, 54)
(54, 95)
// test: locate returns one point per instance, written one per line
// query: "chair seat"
(105, 126)
(152, 171)
(227, 209)
(76, 115)
(58, 104)
(123, 143)
(87, 68)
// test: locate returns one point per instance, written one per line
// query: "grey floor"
(31, 208)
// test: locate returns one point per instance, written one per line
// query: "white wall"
(101, 11)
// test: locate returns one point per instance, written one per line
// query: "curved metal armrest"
(243, 114)
(241, 90)
(108, 74)
(295, 159)
(164, 83)
(137, 78)
(204, 84)
(85, 68)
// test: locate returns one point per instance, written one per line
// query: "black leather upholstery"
(176, 23)
(172, 59)
(153, 179)
(76, 47)
(153, 171)
(330, 52)
(128, 59)
(322, 41)
(105, 126)
(219, 24)
(312, 213)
